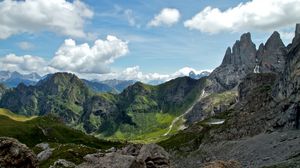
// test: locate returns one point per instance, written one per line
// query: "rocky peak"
(297, 33)
(246, 38)
(243, 52)
(227, 57)
(271, 56)
(238, 61)
(274, 42)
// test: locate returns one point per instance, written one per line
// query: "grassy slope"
(15, 117)
(47, 129)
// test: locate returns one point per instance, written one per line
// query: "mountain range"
(247, 108)
(13, 79)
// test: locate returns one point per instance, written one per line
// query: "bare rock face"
(287, 89)
(131, 156)
(15, 154)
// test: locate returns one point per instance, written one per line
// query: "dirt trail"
(182, 115)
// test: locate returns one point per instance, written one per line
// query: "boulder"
(15, 154)
(111, 160)
(62, 163)
(46, 153)
(153, 156)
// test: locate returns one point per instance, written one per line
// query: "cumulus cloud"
(25, 64)
(167, 17)
(256, 14)
(70, 57)
(31, 16)
(24, 45)
(85, 59)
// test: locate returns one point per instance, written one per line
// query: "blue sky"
(162, 49)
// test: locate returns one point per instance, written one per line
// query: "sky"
(133, 39)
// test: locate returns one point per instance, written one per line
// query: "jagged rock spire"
(271, 56)
(274, 41)
(297, 33)
(243, 52)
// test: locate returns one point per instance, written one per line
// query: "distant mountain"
(98, 86)
(193, 75)
(12, 79)
(118, 85)
(112, 86)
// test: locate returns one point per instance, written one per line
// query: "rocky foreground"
(15, 154)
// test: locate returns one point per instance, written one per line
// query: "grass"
(193, 136)
(150, 128)
(48, 129)
(15, 117)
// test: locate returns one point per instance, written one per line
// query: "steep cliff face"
(287, 90)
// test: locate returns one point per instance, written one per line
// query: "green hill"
(47, 129)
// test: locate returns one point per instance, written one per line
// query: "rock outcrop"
(15, 154)
(62, 163)
(132, 156)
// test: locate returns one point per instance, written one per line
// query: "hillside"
(140, 112)
(61, 94)
(32, 131)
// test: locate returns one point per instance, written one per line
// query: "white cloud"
(24, 45)
(70, 57)
(25, 64)
(135, 73)
(31, 16)
(167, 17)
(85, 59)
(256, 14)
